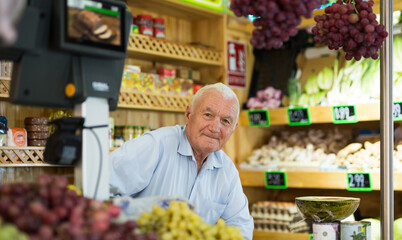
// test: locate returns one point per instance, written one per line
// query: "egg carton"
(281, 226)
(278, 211)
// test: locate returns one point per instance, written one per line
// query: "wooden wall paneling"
(19, 174)
(16, 114)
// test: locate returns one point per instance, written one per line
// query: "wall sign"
(258, 117)
(298, 116)
(359, 181)
(344, 114)
(276, 180)
(236, 64)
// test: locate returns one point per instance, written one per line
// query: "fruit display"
(277, 216)
(350, 25)
(265, 99)
(299, 149)
(366, 156)
(276, 20)
(10, 231)
(178, 221)
(49, 210)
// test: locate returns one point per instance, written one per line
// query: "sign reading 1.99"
(258, 117)
(359, 181)
(344, 114)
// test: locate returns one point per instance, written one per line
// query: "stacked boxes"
(37, 129)
(165, 82)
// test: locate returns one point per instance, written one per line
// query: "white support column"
(96, 112)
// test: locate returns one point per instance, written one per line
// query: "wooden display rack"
(149, 48)
(22, 156)
(152, 101)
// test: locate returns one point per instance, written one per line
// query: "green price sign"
(359, 181)
(298, 116)
(397, 111)
(311, 237)
(344, 114)
(276, 180)
(258, 117)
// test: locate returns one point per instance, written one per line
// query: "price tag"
(344, 114)
(359, 182)
(276, 180)
(311, 237)
(258, 117)
(298, 116)
(397, 111)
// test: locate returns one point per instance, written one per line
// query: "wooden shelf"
(153, 49)
(260, 235)
(175, 8)
(22, 156)
(318, 114)
(152, 101)
(322, 180)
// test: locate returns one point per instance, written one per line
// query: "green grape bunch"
(178, 221)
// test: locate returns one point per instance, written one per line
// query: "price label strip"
(258, 118)
(344, 114)
(276, 180)
(298, 116)
(397, 111)
(359, 181)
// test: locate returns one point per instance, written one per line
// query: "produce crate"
(21, 155)
(153, 101)
(141, 46)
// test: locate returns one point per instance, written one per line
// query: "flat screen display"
(95, 23)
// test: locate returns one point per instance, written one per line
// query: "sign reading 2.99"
(359, 182)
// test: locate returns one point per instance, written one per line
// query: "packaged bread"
(37, 142)
(37, 128)
(35, 120)
(17, 137)
(38, 135)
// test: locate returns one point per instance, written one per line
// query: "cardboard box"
(186, 87)
(161, 85)
(131, 79)
(168, 72)
(174, 86)
(147, 82)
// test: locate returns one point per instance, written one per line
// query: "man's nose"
(215, 125)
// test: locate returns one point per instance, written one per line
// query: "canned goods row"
(128, 132)
(342, 231)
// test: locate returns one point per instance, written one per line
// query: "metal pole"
(387, 125)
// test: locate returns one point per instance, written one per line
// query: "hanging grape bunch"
(277, 19)
(352, 26)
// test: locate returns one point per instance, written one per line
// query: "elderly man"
(188, 161)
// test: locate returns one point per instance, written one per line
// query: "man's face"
(211, 123)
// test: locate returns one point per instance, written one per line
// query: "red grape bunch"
(352, 26)
(277, 19)
(49, 210)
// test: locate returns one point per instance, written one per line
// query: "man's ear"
(187, 114)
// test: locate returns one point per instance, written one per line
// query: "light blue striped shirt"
(161, 163)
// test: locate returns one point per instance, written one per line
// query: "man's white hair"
(226, 92)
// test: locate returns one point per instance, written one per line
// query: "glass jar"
(137, 131)
(145, 24)
(159, 28)
(118, 141)
(146, 129)
(128, 132)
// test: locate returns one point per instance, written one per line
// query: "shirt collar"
(185, 149)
